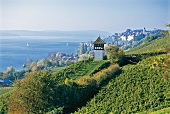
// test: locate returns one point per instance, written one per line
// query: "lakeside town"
(125, 40)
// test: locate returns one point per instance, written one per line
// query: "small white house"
(98, 49)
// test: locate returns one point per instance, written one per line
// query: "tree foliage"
(168, 25)
(4, 100)
(150, 38)
(30, 94)
(114, 54)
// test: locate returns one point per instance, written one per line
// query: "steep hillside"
(72, 72)
(67, 89)
(159, 45)
(139, 88)
(79, 69)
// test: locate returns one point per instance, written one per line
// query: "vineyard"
(81, 68)
(159, 45)
(141, 85)
(139, 88)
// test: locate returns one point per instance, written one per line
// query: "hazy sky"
(106, 15)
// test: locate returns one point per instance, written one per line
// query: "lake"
(14, 51)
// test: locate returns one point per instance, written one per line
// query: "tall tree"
(83, 48)
(168, 25)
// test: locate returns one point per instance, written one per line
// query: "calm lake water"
(15, 51)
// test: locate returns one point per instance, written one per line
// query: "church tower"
(144, 30)
(98, 49)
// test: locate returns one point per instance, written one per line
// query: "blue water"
(15, 51)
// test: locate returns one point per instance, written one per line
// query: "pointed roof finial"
(99, 41)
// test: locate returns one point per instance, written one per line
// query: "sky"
(74, 15)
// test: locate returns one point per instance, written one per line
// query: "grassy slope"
(56, 69)
(79, 69)
(88, 69)
(157, 45)
(94, 66)
(138, 88)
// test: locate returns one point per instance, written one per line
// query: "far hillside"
(84, 35)
(160, 45)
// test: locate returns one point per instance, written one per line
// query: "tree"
(83, 57)
(9, 74)
(53, 56)
(47, 63)
(83, 48)
(30, 94)
(150, 38)
(10, 69)
(168, 25)
(34, 68)
(29, 61)
(114, 54)
(1, 75)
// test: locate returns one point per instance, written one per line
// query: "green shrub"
(4, 100)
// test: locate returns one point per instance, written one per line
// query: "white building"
(98, 49)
